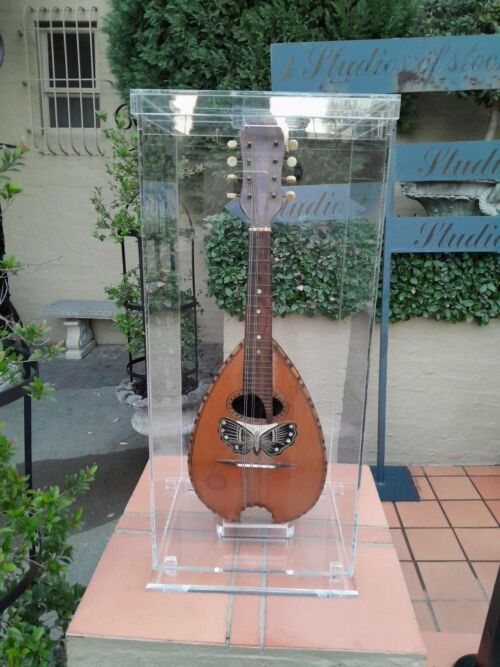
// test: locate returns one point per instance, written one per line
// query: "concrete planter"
(442, 395)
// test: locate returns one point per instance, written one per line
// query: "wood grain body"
(288, 491)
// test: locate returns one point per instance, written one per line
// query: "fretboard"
(258, 360)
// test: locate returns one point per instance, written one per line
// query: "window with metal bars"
(68, 77)
(63, 79)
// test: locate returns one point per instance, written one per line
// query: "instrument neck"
(258, 353)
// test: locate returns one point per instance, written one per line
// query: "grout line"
(485, 501)
(485, 592)
(403, 528)
(417, 570)
(490, 510)
(230, 602)
(467, 560)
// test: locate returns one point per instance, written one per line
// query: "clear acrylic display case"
(274, 236)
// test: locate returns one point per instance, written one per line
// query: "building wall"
(49, 226)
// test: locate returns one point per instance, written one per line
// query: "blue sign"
(419, 64)
(450, 161)
(474, 233)
(325, 202)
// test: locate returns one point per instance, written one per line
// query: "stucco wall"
(442, 396)
(49, 226)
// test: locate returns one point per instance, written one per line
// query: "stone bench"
(77, 314)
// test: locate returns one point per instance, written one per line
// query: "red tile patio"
(449, 548)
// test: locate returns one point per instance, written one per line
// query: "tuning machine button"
(290, 195)
(293, 144)
(290, 180)
(232, 161)
(291, 161)
(232, 144)
(231, 178)
(231, 195)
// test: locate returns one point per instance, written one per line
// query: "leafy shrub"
(307, 277)
(33, 627)
(223, 45)
(455, 287)
(463, 17)
(118, 217)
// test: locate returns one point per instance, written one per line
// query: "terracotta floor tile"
(445, 648)
(442, 471)
(424, 616)
(460, 616)
(416, 471)
(400, 544)
(391, 516)
(434, 544)
(143, 614)
(488, 487)
(468, 513)
(323, 623)
(480, 543)
(494, 506)
(412, 581)
(483, 470)
(487, 573)
(424, 488)
(454, 488)
(425, 514)
(450, 581)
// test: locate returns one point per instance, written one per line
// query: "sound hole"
(251, 406)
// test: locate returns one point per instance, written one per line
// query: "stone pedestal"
(79, 338)
(120, 623)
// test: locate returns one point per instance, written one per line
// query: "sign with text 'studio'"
(459, 161)
(469, 62)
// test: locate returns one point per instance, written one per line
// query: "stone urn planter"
(450, 197)
(140, 423)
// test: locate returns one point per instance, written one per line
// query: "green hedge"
(306, 276)
(222, 44)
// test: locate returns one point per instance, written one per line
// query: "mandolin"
(257, 440)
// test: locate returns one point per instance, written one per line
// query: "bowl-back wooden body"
(287, 492)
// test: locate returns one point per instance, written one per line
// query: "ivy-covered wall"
(307, 278)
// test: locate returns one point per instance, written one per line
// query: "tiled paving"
(449, 546)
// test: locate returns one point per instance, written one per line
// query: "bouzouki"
(257, 440)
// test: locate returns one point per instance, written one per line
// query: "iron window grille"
(63, 79)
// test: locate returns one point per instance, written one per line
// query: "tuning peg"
(232, 144)
(291, 161)
(290, 195)
(293, 144)
(232, 178)
(290, 180)
(231, 195)
(232, 161)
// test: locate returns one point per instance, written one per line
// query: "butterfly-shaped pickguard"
(271, 439)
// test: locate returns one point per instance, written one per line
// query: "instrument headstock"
(262, 158)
